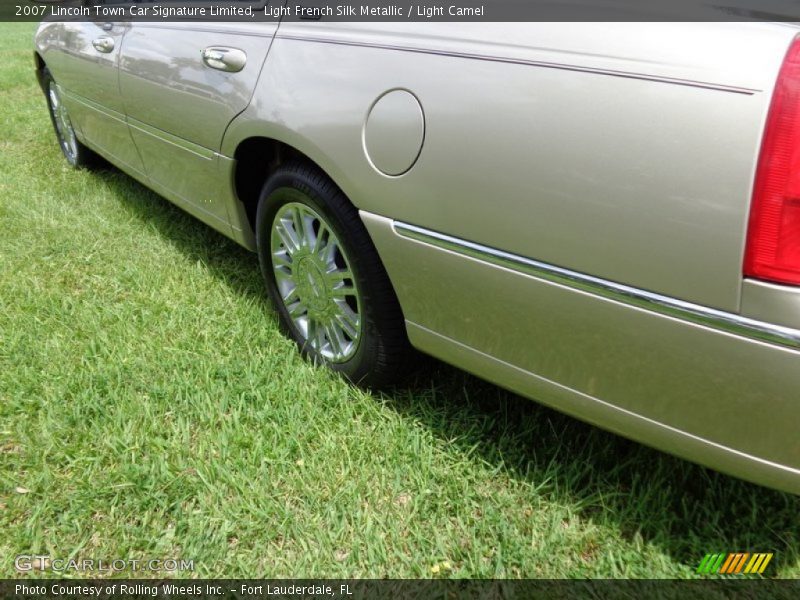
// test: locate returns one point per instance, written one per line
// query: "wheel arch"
(258, 156)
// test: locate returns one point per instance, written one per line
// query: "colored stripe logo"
(735, 563)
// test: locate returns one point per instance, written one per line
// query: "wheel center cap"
(311, 285)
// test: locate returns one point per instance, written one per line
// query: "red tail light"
(773, 239)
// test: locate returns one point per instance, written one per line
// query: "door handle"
(231, 60)
(103, 44)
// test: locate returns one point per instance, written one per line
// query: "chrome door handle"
(103, 44)
(231, 60)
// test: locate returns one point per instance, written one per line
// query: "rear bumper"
(713, 387)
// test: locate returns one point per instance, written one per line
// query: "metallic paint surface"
(770, 302)
(564, 166)
(609, 361)
(166, 84)
(179, 107)
(595, 410)
(762, 330)
(704, 53)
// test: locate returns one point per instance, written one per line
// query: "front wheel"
(323, 274)
(74, 151)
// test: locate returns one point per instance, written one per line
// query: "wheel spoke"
(297, 310)
(281, 260)
(311, 334)
(287, 237)
(338, 277)
(328, 252)
(347, 319)
(322, 240)
(344, 290)
(307, 228)
(72, 145)
(300, 228)
(284, 275)
(316, 335)
(336, 339)
(291, 296)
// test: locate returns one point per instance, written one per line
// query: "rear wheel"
(324, 276)
(74, 151)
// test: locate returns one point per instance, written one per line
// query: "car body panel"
(178, 108)
(543, 162)
(685, 377)
(779, 304)
(620, 153)
(609, 416)
(701, 53)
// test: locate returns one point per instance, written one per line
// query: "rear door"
(182, 84)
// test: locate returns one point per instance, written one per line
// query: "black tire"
(78, 156)
(382, 354)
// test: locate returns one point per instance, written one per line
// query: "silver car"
(602, 217)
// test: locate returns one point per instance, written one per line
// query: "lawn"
(149, 408)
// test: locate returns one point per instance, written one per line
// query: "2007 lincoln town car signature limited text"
(592, 215)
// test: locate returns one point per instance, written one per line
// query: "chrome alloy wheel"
(315, 282)
(66, 134)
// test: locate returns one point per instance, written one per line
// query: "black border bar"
(341, 589)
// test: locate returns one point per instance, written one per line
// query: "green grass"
(150, 408)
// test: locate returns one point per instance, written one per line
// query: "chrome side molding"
(666, 305)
